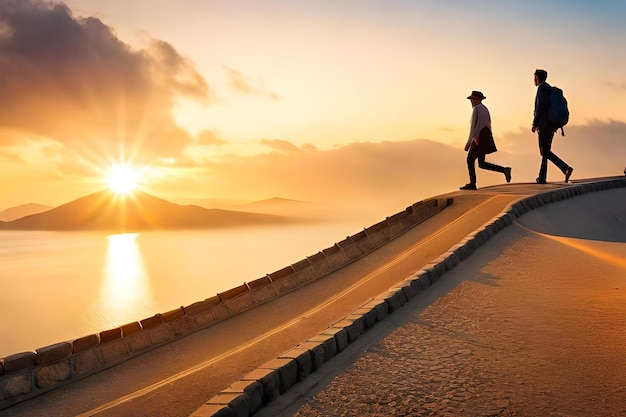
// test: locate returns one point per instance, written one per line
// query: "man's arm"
(473, 127)
(542, 105)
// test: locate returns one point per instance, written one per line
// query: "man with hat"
(545, 130)
(480, 141)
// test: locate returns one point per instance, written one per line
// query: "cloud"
(280, 145)
(11, 156)
(393, 174)
(72, 80)
(210, 138)
(616, 86)
(242, 84)
(364, 175)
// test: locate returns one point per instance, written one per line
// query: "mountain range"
(14, 213)
(140, 211)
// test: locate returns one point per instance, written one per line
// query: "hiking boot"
(507, 174)
(469, 186)
(568, 173)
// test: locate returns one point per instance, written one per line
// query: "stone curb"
(279, 375)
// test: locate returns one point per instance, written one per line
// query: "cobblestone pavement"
(528, 326)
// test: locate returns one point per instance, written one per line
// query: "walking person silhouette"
(480, 142)
(545, 129)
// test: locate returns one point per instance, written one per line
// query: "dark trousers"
(472, 156)
(545, 145)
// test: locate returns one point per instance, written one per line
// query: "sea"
(59, 286)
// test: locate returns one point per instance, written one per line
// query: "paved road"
(176, 379)
(532, 324)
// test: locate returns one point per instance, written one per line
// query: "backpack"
(558, 114)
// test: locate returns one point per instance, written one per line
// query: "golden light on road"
(123, 179)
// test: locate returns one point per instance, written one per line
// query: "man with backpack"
(546, 123)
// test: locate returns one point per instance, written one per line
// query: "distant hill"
(294, 209)
(105, 210)
(267, 205)
(289, 208)
(15, 213)
(274, 204)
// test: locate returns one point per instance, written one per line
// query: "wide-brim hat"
(477, 95)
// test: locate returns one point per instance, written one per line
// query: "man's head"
(476, 97)
(540, 76)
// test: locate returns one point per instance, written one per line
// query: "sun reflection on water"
(125, 293)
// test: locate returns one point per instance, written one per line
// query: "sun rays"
(123, 179)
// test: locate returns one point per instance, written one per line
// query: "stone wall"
(28, 374)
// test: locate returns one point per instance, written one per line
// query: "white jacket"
(480, 119)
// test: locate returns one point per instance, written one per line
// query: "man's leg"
(493, 167)
(545, 143)
(471, 158)
(547, 153)
(489, 166)
(472, 155)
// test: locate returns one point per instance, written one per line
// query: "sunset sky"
(352, 100)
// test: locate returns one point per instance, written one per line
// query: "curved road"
(532, 324)
(178, 378)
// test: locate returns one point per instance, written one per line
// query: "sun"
(123, 179)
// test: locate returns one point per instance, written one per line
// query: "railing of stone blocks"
(28, 374)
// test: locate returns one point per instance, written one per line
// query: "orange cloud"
(280, 145)
(397, 173)
(72, 80)
(240, 83)
(617, 86)
(366, 175)
(11, 156)
(211, 138)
